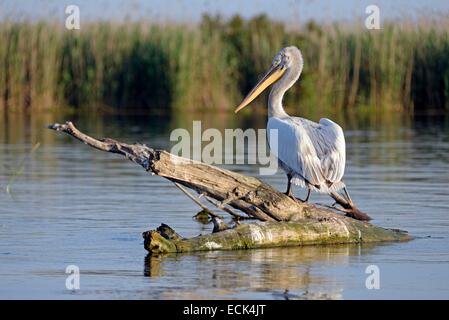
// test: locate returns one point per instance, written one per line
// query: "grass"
(212, 65)
(18, 171)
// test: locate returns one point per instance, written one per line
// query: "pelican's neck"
(275, 108)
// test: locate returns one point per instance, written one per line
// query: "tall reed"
(210, 66)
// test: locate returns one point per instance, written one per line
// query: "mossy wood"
(273, 234)
(283, 221)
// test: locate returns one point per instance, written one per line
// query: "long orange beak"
(273, 75)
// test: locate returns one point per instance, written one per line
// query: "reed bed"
(210, 66)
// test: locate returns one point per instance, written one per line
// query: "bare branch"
(247, 194)
(202, 206)
(226, 209)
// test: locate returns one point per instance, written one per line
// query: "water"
(74, 205)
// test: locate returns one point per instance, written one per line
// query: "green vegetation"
(212, 65)
(17, 172)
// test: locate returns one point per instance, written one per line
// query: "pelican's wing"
(328, 139)
(295, 149)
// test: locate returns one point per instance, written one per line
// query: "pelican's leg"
(290, 193)
(289, 186)
(308, 195)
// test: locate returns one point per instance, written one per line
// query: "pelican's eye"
(277, 60)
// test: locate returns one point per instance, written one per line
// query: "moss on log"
(274, 234)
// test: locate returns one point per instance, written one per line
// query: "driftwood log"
(282, 220)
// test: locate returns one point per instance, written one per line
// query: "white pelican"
(311, 154)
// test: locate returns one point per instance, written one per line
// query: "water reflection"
(75, 205)
(287, 273)
(25, 127)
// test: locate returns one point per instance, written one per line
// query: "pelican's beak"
(273, 75)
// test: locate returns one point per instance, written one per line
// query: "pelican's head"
(285, 60)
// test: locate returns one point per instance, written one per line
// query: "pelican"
(311, 154)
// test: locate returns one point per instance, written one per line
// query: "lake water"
(71, 205)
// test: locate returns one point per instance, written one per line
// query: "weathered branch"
(138, 153)
(202, 206)
(286, 222)
(349, 208)
(219, 205)
(247, 194)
